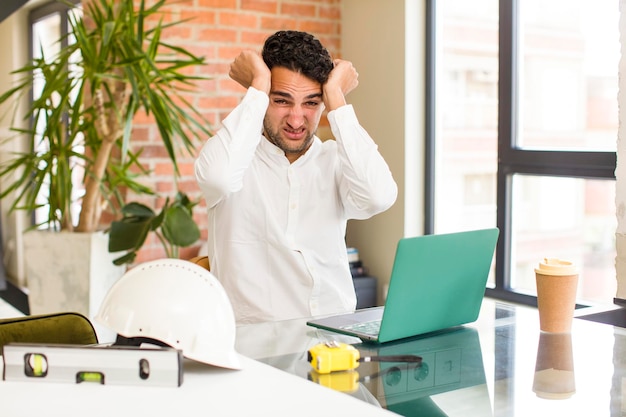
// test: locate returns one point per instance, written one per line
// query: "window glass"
(568, 75)
(566, 91)
(45, 34)
(466, 129)
(47, 31)
(568, 218)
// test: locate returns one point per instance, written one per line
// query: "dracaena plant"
(115, 64)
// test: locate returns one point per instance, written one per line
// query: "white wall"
(620, 172)
(385, 41)
(14, 32)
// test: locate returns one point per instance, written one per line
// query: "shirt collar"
(275, 153)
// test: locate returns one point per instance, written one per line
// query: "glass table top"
(500, 365)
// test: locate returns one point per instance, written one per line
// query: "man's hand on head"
(342, 79)
(249, 70)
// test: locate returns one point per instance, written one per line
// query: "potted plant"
(174, 227)
(116, 64)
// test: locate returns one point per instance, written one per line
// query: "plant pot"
(69, 272)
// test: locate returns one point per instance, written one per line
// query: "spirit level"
(106, 365)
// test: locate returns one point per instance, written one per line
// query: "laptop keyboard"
(366, 327)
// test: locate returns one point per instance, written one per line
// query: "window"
(524, 133)
(50, 23)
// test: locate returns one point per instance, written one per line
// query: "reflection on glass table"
(451, 361)
(501, 365)
(554, 369)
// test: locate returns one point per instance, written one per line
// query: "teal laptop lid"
(437, 282)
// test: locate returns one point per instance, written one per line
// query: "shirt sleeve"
(224, 158)
(365, 181)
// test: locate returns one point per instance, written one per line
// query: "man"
(278, 197)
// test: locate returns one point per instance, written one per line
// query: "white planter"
(69, 272)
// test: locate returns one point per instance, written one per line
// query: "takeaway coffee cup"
(554, 369)
(557, 281)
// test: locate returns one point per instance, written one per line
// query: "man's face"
(294, 112)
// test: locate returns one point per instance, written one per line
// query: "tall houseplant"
(115, 65)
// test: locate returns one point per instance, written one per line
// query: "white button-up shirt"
(276, 232)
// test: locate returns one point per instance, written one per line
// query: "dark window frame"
(511, 159)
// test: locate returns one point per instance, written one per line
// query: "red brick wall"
(219, 30)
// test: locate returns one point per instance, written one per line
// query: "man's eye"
(313, 103)
(280, 101)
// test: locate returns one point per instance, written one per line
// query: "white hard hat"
(177, 303)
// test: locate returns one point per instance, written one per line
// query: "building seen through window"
(564, 105)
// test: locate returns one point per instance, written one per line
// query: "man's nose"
(296, 117)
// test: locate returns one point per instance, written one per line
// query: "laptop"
(437, 282)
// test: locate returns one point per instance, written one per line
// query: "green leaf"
(127, 235)
(125, 259)
(120, 49)
(179, 227)
(137, 210)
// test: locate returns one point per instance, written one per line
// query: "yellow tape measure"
(333, 356)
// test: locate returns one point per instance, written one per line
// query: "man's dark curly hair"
(300, 52)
